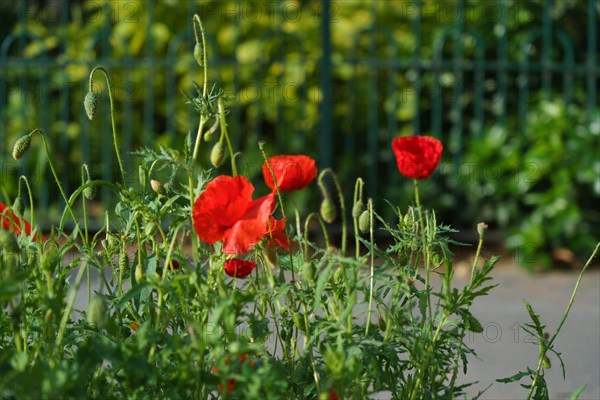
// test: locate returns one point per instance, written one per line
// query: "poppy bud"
(381, 324)
(90, 104)
(139, 273)
(97, 312)
(150, 229)
(21, 146)
(123, 261)
(199, 54)
(8, 242)
(364, 221)
(208, 136)
(327, 210)
(217, 155)
(19, 205)
(90, 191)
(157, 187)
(357, 209)
(481, 228)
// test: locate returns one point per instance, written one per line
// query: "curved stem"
(544, 349)
(58, 182)
(358, 194)
(338, 188)
(112, 115)
(326, 237)
(370, 208)
(225, 134)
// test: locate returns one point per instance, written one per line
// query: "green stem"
(112, 115)
(67, 312)
(544, 349)
(225, 134)
(479, 245)
(57, 181)
(338, 188)
(371, 238)
(425, 245)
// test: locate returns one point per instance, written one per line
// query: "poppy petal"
(292, 172)
(251, 228)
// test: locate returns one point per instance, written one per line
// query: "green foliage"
(541, 187)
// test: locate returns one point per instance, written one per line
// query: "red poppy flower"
(239, 268)
(225, 211)
(417, 156)
(333, 395)
(291, 172)
(276, 234)
(231, 382)
(10, 222)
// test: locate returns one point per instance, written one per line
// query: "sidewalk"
(504, 349)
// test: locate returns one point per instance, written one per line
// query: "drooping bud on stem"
(21, 146)
(97, 312)
(90, 104)
(358, 209)
(157, 186)
(19, 206)
(327, 210)
(364, 221)
(217, 154)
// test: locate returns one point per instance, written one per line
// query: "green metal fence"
(341, 99)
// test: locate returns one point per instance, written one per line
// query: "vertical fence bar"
(373, 112)
(501, 72)
(459, 93)
(547, 49)
(149, 87)
(591, 59)
(416, 65)
(325, 139)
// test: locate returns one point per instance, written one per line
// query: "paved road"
(504, 349)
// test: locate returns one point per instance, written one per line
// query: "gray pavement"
(504, 349)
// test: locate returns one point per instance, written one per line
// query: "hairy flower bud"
(217, 155)
(90, 104)
(21, 146)
(199, 54)
(357, 209)
(19, 206)
(139, 273)
(481, 228)
(208, 135)
(97, 311)
(327, 210)
(90, 191)
(123, 261)
(157, 186)
(364, 221)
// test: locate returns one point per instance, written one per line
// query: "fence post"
(325, 139)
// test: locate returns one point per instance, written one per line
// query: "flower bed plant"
(209, 290)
